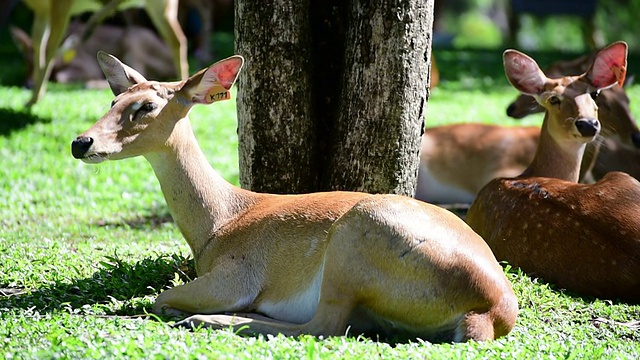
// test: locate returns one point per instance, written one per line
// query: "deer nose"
(80, 146)
(635, 139)
(511, 109)
(588, 127)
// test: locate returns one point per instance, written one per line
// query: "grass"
(85, 249)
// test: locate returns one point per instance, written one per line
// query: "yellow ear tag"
(68, 55)
(217, 93)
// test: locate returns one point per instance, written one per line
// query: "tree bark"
(275, 128)
(333, 94)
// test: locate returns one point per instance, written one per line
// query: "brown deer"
(317, 263)
(457, 160)
(76, 60)
(51, 19)
(582, 237)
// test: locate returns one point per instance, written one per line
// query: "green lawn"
(84, 249)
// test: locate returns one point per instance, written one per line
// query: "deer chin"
(95, 158)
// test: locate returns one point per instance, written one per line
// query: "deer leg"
(210, 293)
(40, 34)
(165, 19)
(48, 30)
(330, 320)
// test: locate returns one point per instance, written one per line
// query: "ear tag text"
(217, 93)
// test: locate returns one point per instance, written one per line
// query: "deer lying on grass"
(584, 238)
(458, 160)
(316, 263)
(51, 19)
(133, 43)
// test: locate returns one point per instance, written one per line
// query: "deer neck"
(199, 199)
(553, 159)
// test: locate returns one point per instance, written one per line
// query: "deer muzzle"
(588, 127)
(80, 146)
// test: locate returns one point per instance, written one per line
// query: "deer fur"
(323, 263)
(51, 19)
(457, 160)
(581, 237)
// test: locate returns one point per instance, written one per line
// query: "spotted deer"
(319, 263)
(581, 237)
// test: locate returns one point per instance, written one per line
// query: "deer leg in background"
(49, 27)
(165, 19)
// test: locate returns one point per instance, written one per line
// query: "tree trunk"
(333, 94)
(276, 137)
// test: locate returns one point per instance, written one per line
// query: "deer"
(613, 102)
(584, 238)
(51, 19)
(615, 155)
(75, 61)
(458, 160)
(317, 263)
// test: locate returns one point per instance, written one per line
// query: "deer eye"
(148, 107)
(553, 100)
(142, 109)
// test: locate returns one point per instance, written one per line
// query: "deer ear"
(523, 73)
(609, 67)
(120, 76)
(213, 83)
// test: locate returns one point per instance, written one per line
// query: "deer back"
(585, 238)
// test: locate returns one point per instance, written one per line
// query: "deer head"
(144, 113)
(571, 118)
(615, 116)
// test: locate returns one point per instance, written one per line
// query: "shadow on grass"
(122, 281)
(151, 221)
(116, 279)
(12, 120)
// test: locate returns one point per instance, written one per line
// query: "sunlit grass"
(84, 249)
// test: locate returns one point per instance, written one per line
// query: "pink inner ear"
(610, 66)
(227, 71)
(523, 73)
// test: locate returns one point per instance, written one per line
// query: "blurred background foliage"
(483, 24)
